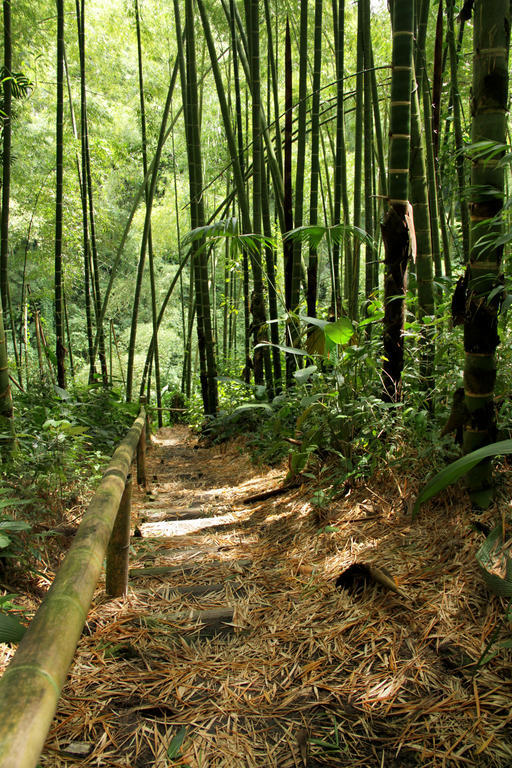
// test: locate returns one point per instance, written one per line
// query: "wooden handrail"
(30, 686)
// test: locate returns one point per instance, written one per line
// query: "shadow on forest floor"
(275, 666)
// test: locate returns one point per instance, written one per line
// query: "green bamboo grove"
(274, 168)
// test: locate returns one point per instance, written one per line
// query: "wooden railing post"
(116, 580)
(143, 403)
(141, 451)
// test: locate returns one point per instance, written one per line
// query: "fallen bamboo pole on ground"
(31, 685)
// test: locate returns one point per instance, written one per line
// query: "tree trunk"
(425, 288)
(371, 284)
(352, 266)
(6, 415)
(491, 29)
(59, 311)
(91, 271)
(300, 164)
(288, 198)
(395, 229)
(315, 162)
(6, 155)
(426, 103)
(340, 171)
(457, 130)
(262, 363)
(241, 159)
(82, 178)
(188, 72)
(156, 355)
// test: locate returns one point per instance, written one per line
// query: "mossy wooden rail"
(31, 685)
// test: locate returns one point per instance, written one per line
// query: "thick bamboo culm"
(141, 458)
(141, 446)
(31, 685)
(116, 576)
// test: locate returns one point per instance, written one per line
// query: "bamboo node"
(491, 52)
(468, 393)
(85, 548)
(34, 669)
(73, 601)
(491, 265)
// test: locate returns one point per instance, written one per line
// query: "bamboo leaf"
(307, 234)
(507, 301)
(313, 321)
(304, 374)
(458, 469)
(376, 318)
(252, 242)
(222, 228)
(11, 631)
(315, 342)
(341, 331)
(252, 406)
(489, 552)
(314, 234)
(228, 228)
(14, 525)
(282, 348)
(174, 748)
(62, 393)
(14, 503)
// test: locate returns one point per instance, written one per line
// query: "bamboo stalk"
(17, 356)
(31, 685)
(60, 349)
(46, 351)
(141, 458)
(6, 158)
(39, 346)
(116, 578)
(110, 349)
(114, 336)
(68, 337)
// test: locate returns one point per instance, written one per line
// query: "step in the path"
(201, 590)
(168, 570)
(170, 514)
(161, 547)
(181, 527)
(210, 622)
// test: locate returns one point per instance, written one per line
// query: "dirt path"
(236, 649)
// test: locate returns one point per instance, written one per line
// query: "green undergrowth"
(64, 441)
(332, 424)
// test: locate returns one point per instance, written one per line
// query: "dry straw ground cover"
(298, 673)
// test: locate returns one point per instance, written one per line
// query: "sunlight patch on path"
(183, 527)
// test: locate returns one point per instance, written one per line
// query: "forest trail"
(237, 650)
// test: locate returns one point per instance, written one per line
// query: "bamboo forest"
(255, 384)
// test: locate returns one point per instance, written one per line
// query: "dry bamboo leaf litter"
(358, 680)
